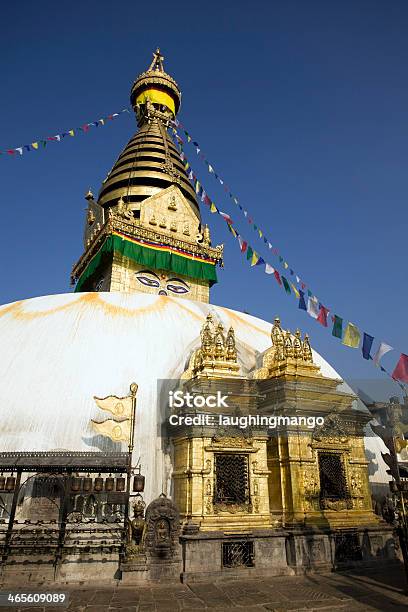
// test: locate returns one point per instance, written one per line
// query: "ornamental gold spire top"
(289, 354)
(217, 357)
(155, 93)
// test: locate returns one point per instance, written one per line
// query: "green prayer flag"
(250, 252)
(285, 284)
(337, 331)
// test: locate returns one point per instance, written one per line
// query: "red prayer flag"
(277, 276)
(401, 369)
(322, 318)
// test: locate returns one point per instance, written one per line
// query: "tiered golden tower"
(144, 231)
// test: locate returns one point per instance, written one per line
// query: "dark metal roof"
(64, 461)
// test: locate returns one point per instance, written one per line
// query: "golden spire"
(157, 63)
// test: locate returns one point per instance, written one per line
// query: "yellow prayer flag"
(352, 336)
(285, 265)
(260, 233)
(213, 208)
(255, 259)
(116, 431)
(34, 145)
(295, 291)
(118, 406)
(71, 133)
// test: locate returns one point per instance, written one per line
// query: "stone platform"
(369, 590)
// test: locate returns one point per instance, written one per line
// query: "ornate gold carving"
(288, 353)
(133, 229)
(172, 205)
(122, 209)
(217, 354)
(163, 223)
(333, 431)
(152, 220)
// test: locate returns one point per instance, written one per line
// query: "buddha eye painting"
(162, 283)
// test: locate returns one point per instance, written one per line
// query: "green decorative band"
(152, 257)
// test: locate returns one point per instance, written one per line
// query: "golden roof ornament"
(289, 354)
(217, 355)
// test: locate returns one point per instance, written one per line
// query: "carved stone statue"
(162, 528)
(137, 525)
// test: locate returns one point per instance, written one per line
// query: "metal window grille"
(238, 554)
(231, 479)
(347, 547)
(332, 477)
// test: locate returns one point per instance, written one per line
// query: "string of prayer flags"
(176, 124)
(352, 336)
(381, 351)
(401, 369)
(314, 307)
(34, 146)
(367, 344)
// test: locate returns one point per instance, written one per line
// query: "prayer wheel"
(120, 483)
(76, 484)
(109, 483)
(98, 484)
(87, 484)
(138, 483)
(10, 483)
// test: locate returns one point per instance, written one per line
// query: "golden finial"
(307, 350)
(157, 63)
(297, 345)
(288, 345)
(89, 195)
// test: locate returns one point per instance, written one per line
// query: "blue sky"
(301, 107)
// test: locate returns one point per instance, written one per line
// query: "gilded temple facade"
(271, 471)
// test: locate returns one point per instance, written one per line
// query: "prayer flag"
(34, 145)
(367, 344)
(322, 318)
(249, 253)
(352, 336)
(295, 291)
(302, 303)
(313, 307)
(401, 369)
(337, 330)
(286, 284)
(382, 350)
(226, 217)
(255, 258)
(269, 269)
(277, 276)
(213, 208)
(242, 243)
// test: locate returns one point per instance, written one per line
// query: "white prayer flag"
(269, 269)
(313, 307)
(382, 350)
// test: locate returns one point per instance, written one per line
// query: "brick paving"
(379, 590)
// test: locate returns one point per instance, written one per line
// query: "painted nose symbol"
(162, 292)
